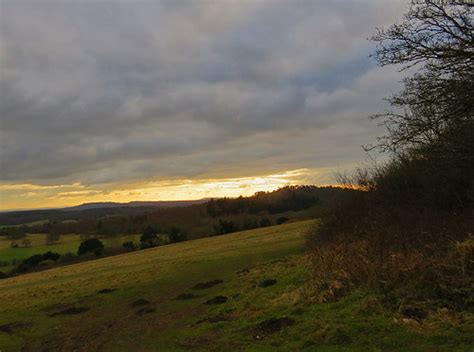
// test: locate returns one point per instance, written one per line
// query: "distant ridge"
(162, 203)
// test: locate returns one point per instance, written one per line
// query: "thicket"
(36, 260)
(408, 231)
(289, 198)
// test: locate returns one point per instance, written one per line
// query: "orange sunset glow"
(24, 196)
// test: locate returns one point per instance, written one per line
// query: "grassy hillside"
(244, 291)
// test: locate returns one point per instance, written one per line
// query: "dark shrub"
(92, 245)
(37, 259)
(265, 222)
(47, 262)
(249, 224)
(145, 245)
(225, 226)
(66, 257)
(51, 256)
(149, 235)
(282, 220)
(149, 238)
(177, 235)
(34, 260)
(128, 245)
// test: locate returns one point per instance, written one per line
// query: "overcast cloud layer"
(119, 91)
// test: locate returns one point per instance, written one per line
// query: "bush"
(47, 262)
(129, 245)
(51, 256)
(265, 222)
(146, 245)
(177, 235)
(414, 253)
(66, 257)
(282, 220)
(92, 245)
(149, 238)
(36, 260)
(225, 226)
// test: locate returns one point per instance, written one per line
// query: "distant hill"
(90, 210)
(164, 203)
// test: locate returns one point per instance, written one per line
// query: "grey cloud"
(101, 91)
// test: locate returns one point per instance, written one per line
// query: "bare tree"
(434, 112)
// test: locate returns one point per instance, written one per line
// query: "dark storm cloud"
(100, 91)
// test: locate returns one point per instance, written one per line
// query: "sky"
(183, 99)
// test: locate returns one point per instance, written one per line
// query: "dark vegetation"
(162, 226)
(267, 283)
(214, 217)
(285, 199)
(208, 284)
(186, 296)
(271, 326)
(408, 232)
(216, 300)
(38, 260)
(92, 245)
(70, 311)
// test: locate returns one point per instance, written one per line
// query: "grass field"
(62, 310)
(66, 243)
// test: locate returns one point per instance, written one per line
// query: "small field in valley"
(248, 291)
(66, 244)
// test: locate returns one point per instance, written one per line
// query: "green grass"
(66, 243)
(241, 260)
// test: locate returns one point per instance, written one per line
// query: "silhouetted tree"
(437, 103)
(430, 131)
(177, 235)
(92, 245)
(149, 238)
(225, 226)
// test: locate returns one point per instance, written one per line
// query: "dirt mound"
(107, 290)
(413, 312)
(208, 284)
(142, 311)
(70, 311)
(267, 283)
(215, 319)
(216, 300)
(11, 328)
(185, 296)
(271, 326)
(140, 302)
